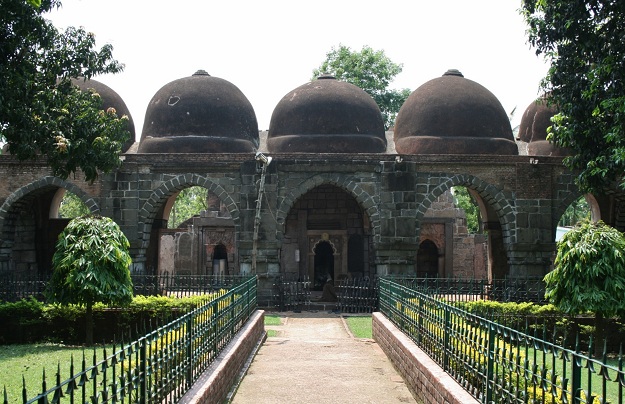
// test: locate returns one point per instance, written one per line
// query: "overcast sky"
(267, 48)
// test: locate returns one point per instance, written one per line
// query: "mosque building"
(324, 193)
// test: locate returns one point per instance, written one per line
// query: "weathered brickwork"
(427, 381)
(217, 382)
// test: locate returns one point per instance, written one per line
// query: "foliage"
(72, 206)
(41, 111)
(91, 264)
(589, 271)
(575, 213)
(464, 200)
(583, 41)
(370, 70)
(189, 202)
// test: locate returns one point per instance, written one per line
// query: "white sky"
(267, 48)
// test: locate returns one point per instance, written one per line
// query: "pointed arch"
(22, 197)
(368, 202)
(160, 195)
(491, 195)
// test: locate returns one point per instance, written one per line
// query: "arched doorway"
(427, 260)
(220, 260)
(324, 264)
(329, 218)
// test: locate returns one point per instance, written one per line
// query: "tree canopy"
(41, 112)
(372, 71)
(589, 273)
(189, 202)
(583, 41)
(464, 200)
(91, 264)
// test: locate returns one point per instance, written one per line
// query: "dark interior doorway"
(220, 260)
(427, 260)
(324, 264)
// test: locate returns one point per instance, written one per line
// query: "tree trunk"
(89, 324)
(599, 335)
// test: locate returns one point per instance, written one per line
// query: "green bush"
(29, 320)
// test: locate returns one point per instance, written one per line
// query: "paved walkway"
(314, 359)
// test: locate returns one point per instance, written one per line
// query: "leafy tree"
(370, 70)
(72, 206)
(589, 273)
(41, 111)
(91, 264)
(583, 41)
(189, 202)
(575, 213)
(464, 200)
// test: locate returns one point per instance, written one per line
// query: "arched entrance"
(220, 260)
(427, 260)
(326, 231)
(324, 264)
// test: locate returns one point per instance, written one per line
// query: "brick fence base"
(427, 381)
(217, 381)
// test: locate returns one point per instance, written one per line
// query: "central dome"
(453, 115)
(199, 114)
(326, 116)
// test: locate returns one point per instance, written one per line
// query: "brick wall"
(427, 381)
(217, 382)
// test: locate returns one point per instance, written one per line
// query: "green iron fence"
(161, 366)
(497, 364)
(14, 287)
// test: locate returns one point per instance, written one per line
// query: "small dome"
(326, 116)
(453, 115)
(110, 99)
(533, 129)
(199, 114)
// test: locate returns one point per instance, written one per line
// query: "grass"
(273, 320)
(30, 361)
(360, 326)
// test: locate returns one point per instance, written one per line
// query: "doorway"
(324, 264)
(427, 260)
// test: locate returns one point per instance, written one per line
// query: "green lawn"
(360, 326)
(30, 361)
(272, 319)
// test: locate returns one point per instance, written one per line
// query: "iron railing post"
(143, 390)
(189, 343)
(490, 360)
(446, 332)
(576, 375)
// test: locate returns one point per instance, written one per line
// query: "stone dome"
(326, 116)
(110, 99)
(453, 115)
(533, 129)
(199, 114)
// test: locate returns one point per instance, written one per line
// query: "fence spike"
(24, 394)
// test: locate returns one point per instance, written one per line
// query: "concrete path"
(314, 359)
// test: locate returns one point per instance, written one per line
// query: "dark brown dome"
(453, 115)
(533, 129)
(199, 114)
(110, 99)
(326, 116)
